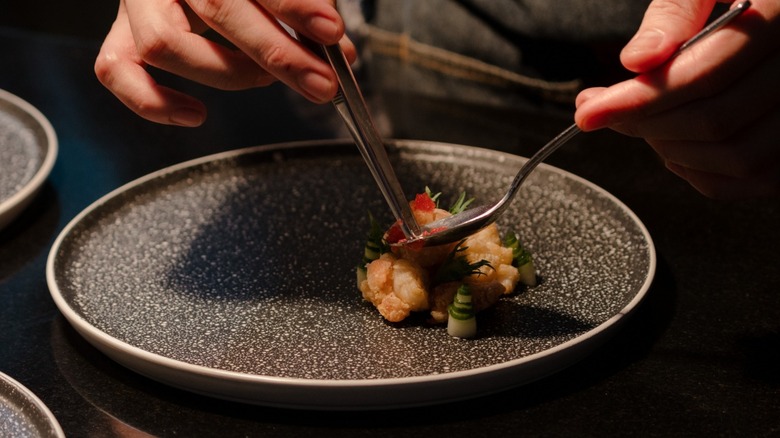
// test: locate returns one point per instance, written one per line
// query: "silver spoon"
(459, 226)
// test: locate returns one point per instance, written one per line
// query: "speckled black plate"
(23, 414)
(28, 149)
(234, 276)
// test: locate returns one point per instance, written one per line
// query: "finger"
(703, 70)
(586, 95)
(318, 20)
(120, 69)
(700, 71)
(752, 151)
(348, 47)
(257, 33)
(722, 187)
(164, 39)
(718, 117)
(665, 26)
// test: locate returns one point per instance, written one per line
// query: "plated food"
(450, 282)
(203, 277)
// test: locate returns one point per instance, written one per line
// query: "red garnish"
(423, 202)
(396, 237)
(415, 245)
(394, 234)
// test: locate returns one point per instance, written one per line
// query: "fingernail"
(317, 85)
(325, 28)
(646, 40)
(187, 117)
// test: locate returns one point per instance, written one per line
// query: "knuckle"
(673, 10)
(154, 46)
(285, 7)
(277, 59)
(104, 70)
(138, 107)
(217, 11)
(144, 106)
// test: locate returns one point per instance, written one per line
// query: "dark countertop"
(700, 357)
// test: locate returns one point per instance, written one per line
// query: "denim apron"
(508, 53)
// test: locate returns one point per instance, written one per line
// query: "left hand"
(167, 34)
(711, 113)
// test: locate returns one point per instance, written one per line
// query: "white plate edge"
(14, 205)
(39, 404)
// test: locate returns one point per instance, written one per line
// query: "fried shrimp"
(486, 245)
(396, 287)
(399, 278)
(488, 283)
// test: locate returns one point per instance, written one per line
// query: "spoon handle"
(716, 24)
(540, 155)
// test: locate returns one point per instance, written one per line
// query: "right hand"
(711, 113)
(166, 34)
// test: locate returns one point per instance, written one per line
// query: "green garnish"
(521, 259)
(456, 266)
(375, 246)
(434, 196)
(462, 322)
(520, 255)
(375, 243)
(461, 204)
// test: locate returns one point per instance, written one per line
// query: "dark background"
(700, 357)
(83, 18)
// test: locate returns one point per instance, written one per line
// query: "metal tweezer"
(352, 108)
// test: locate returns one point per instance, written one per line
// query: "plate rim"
(11, 207)
(145, 362)
(36, 402)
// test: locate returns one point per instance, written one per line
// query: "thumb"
(666, 25)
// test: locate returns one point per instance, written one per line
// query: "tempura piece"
(399, 279)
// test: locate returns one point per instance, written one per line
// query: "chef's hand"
(166, 34)
(712, 113)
